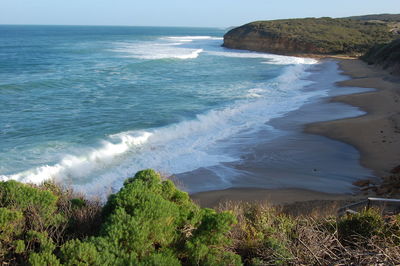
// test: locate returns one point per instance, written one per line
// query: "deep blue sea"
(92, 105)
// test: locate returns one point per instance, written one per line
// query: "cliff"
(325, 36)
(386, 56)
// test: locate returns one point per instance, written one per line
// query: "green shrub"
(151, 222)
(361, 225)
(75, 252)
(26, 215)
(77, 203)
(279, 252)
(44, 259)
(386, 55)
(11, 224)
(262, 235)
(39, 241)
(39, 206)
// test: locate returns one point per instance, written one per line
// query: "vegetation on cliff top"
(150, 222)
(381, 17)
(385, 55)
(314, 35)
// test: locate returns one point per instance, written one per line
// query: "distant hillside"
(325, 36)
(382, 17)
(385, 55)
(392, 20)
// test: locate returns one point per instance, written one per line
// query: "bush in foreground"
(150, 222)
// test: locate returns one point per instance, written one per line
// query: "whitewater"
(90, 106)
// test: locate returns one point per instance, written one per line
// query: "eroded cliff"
(309, 36)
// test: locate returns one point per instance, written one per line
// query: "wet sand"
(375, 134)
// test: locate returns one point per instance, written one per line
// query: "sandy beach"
(375, 134)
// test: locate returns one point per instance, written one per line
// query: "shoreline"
(376, 135)
(359, 132)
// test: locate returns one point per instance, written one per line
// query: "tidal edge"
(375, 135)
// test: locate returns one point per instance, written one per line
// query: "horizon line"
(104, 25)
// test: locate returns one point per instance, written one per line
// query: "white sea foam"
(177, 148)
(78, 166)
(190, 47)
(154, 51)
(172, 47)
(255, 93)
(272, 58)
(191, 38)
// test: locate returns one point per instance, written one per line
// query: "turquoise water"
(92, 105)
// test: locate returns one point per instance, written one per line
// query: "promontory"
(352, 36)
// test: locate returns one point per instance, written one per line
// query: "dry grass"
(83, 215)
(264, 235)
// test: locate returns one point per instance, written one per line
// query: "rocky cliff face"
(249, 38)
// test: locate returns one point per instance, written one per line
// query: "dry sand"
(376, 135)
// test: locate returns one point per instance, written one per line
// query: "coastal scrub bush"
(39, 205)
(362, 225)
(262, 234)
(36, 220)
(150, 221)
(384, 54)
(27, 216)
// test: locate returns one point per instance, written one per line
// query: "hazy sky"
(208, 13)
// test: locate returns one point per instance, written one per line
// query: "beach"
(373, 131)
(377, 134)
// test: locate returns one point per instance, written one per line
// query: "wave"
(190, 47)
(191, 38)
(82, 165)
(177, 148)
(171, 47)
(255, 93)
(154, 51)
(272, 58)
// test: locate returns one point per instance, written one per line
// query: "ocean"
(90, 106)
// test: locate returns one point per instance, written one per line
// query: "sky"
(199, 13)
